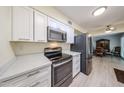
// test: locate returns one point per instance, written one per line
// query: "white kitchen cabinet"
(70, 35)
(69, 31)
(22, 24)
(53, 23)
(63, 27)
(40, 27)
(38, 78)
(76, 65)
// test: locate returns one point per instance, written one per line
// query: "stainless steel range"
(61, 67)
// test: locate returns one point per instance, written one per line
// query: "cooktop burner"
(60, 58)
(55, 54)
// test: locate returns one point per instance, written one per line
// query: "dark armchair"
(116, 51)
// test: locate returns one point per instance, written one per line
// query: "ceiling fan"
(109, 29)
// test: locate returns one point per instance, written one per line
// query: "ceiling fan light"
(112, 28)
(108, 31)
(99, 11)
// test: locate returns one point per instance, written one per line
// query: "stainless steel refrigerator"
(83, 44)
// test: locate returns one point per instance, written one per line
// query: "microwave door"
(55, 35)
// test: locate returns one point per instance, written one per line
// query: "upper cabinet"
(22, 24)
(40, 27)
(68, 29)
(31, 25)
(53, 23)
(70, 35)
(69, 32)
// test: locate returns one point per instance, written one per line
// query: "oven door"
(62, 73)
(56, 35)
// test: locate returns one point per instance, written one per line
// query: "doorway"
(104, 43)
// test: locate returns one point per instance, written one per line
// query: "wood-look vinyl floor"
(102, 74)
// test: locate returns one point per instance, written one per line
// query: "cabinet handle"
(23, 39)
(8, 80)
(33, 74)
(37, 83)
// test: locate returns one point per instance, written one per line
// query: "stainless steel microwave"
(54, 34)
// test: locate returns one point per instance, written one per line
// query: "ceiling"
(82, 15)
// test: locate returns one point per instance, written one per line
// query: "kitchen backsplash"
(22, 48)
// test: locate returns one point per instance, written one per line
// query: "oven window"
(62, 71)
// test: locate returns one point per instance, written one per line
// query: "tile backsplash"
(22, 48)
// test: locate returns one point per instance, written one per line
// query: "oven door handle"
(56, 65)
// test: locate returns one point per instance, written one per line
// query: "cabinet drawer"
(10, 82)
(33, 76)
(26, 79)
(38, 79)
(41, 82)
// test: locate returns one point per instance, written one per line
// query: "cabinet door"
(53, 23)
(70, 35)
(22, 24)
(76, 65)
(62, 27)
(40, 25)
(42, 75)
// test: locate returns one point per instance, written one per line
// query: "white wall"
(6, 52)
(22, 48)
(114, 40)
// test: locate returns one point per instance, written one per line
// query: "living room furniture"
(104, 44)
(99, 51)
(116, 51)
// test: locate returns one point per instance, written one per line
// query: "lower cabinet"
(76, 65)
(38, 78)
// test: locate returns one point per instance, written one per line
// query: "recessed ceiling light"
(99, 11)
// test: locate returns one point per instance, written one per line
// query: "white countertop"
(25, 64)
(71, 52)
